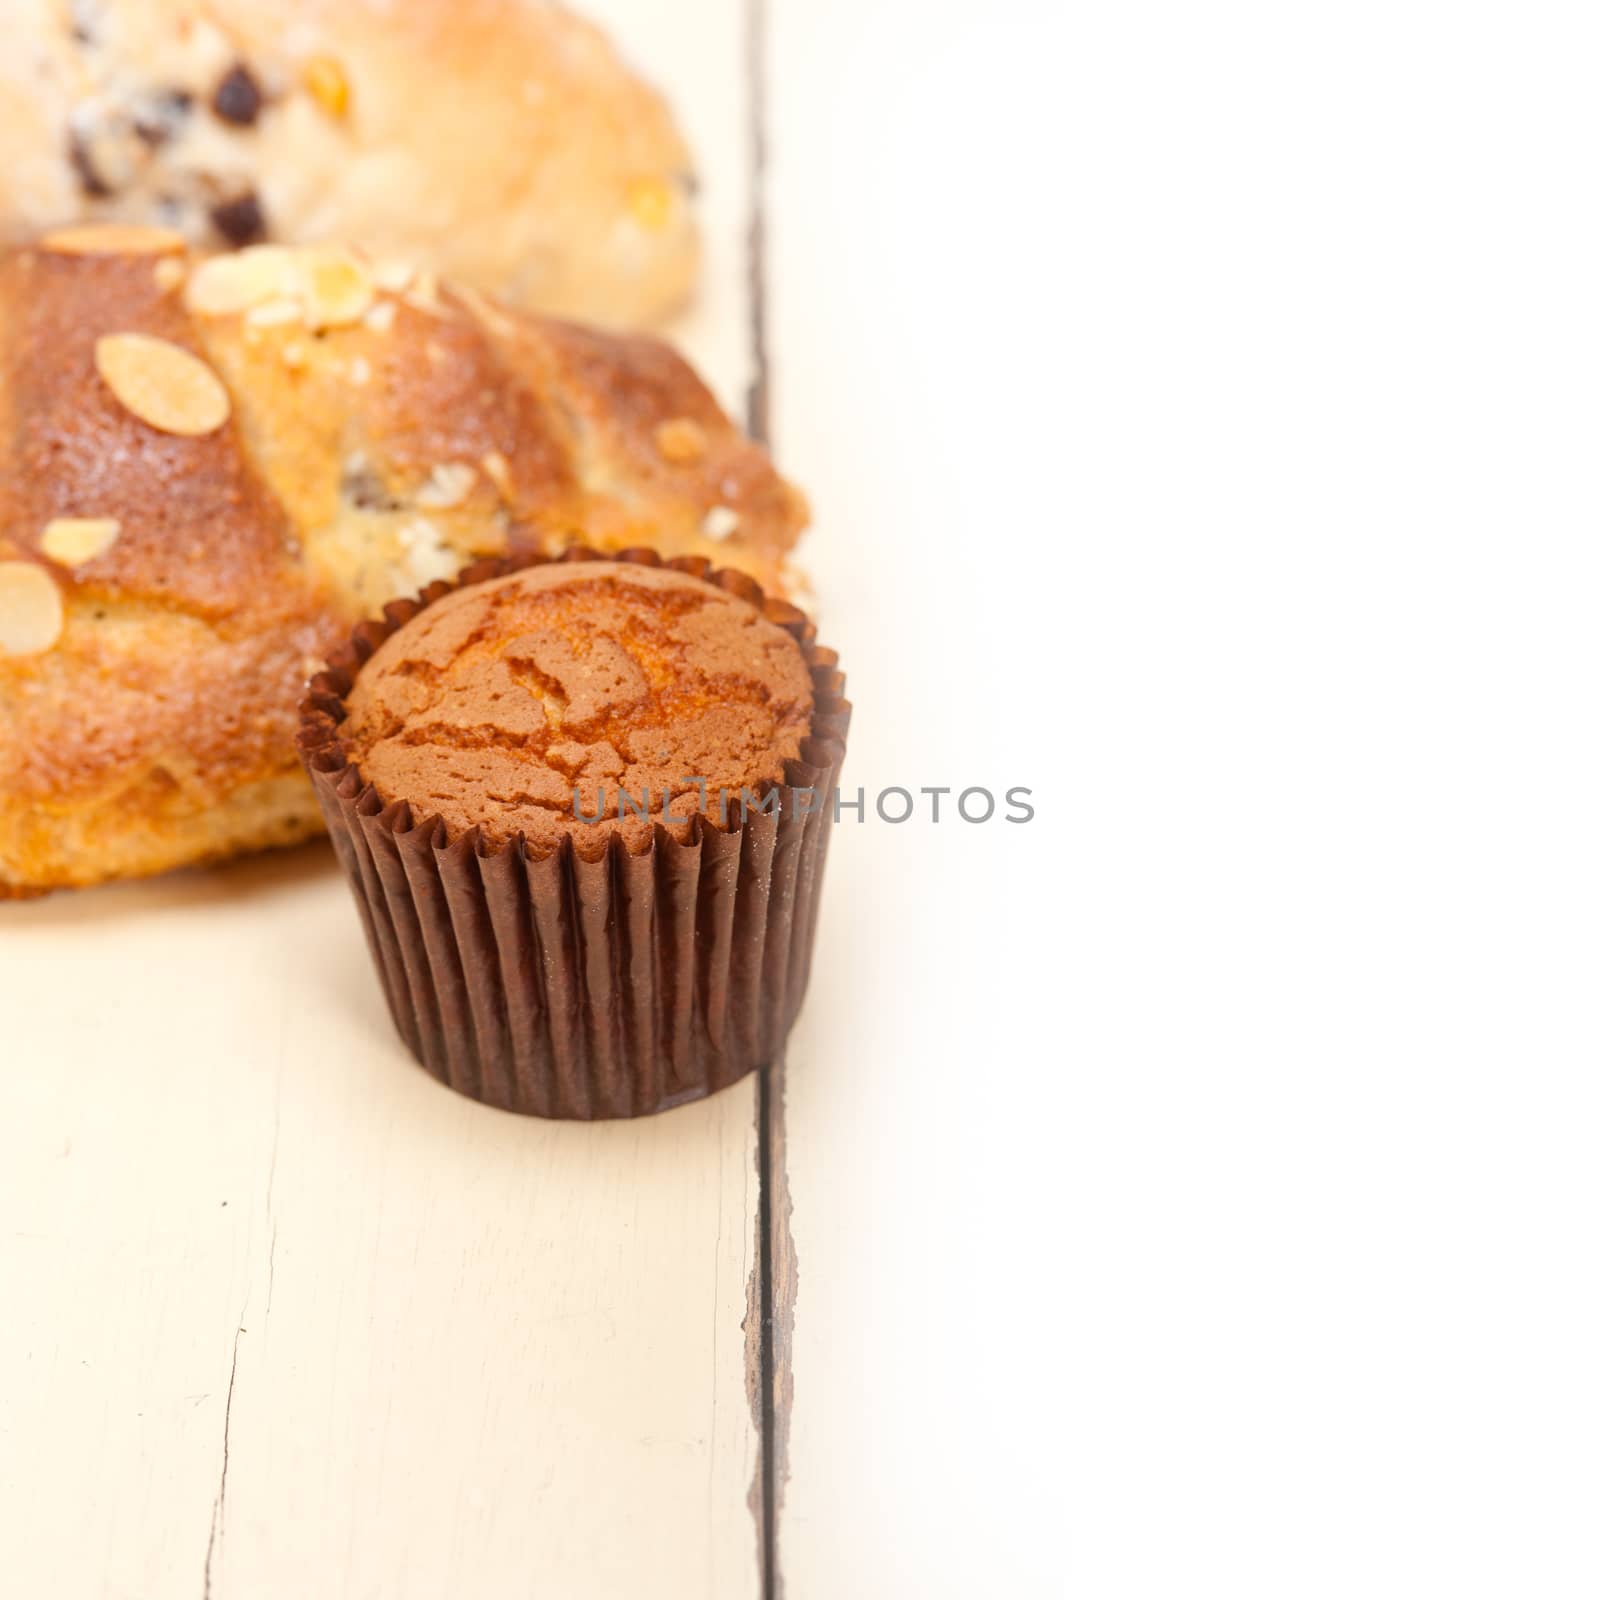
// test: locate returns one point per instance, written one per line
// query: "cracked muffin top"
(583, 697)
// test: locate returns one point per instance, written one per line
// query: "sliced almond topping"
(720, 522)
(338, 288)
(169, 273)
(162, 384)
(491, 315)
(381, 317)
(448, 485)
(498, 471)
(273, 313)
(681, 441)
(360, 371)
(424, 296)
(226, 285)
(393, 276)
(112, 239)
(72, 541)
(31, 617)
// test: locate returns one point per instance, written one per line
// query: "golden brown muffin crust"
(533, 702)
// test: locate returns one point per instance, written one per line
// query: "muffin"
(584, 805)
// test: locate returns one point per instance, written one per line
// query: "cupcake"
(584, 805)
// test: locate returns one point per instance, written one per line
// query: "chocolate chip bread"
(211, 467)
(501, 141)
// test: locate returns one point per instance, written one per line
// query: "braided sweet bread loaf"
(211, 467)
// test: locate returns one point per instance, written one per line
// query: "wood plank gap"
(780, 1281)
(774, 1296)
(767, 1510)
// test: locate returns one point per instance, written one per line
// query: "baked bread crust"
(375, 439)
(502, 142)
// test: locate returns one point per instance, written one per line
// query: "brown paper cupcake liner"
(566, 986)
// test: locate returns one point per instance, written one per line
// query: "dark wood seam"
(769, 1085)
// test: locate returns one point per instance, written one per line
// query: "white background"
(1200, 406)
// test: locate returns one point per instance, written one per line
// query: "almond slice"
(226, 285)
(393, 275)
(498, 471)
(162, 384)
(337, 288)
(274, 313)
(31, 617)
(112, 239)
(424, 296)
(72, 541)
(492, 316)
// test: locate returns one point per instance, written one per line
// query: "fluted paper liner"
(573, 987)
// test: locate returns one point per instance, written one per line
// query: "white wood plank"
(920, 1433)
(281, 1315)
(1195, 1191)
(472, 1349)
